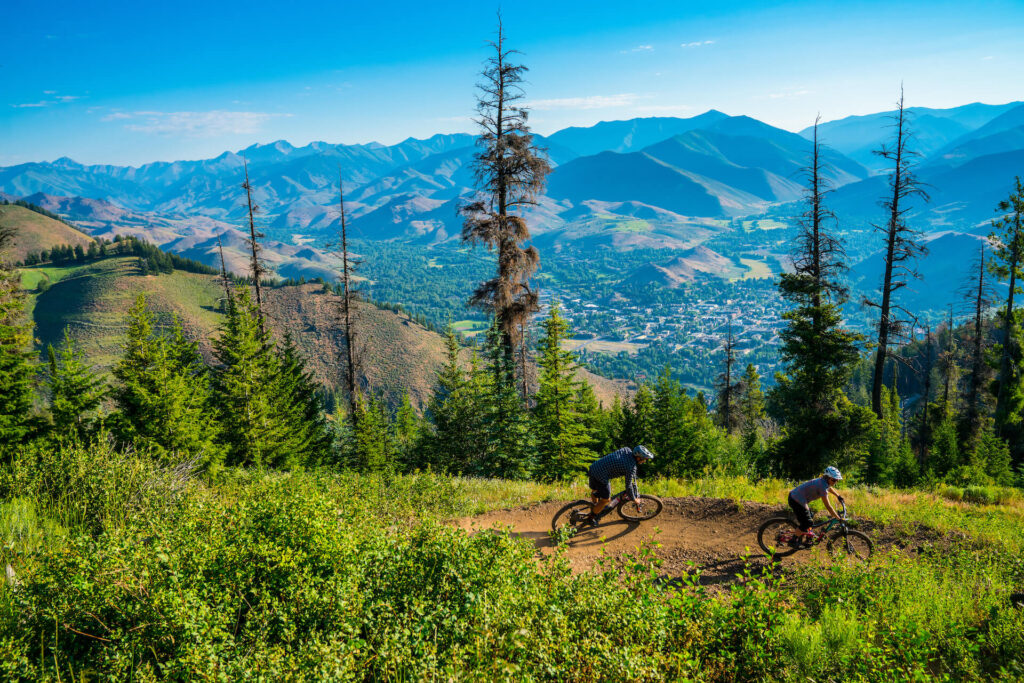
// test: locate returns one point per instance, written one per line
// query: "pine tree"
(447, 413)
(818, 352)
(17, 371)
(890, 459)
(728, 387)
(408, 430)
(977, 294)
(638, 420)
(562, 436)
(510, 172)
(509, 451)
(163, 392)
(305, 430)
(374, 448)
(1008, 264)
(76, 392)
(253, 429)
(256, 267)
(751, 410)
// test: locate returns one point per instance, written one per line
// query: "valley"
(656, 232)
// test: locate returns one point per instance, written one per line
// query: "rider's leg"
(600, 495)
(804, 518)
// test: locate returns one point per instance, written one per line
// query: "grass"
(603, 346)
(92, 299)
(328, 576)
(632, 225)
(36, 232)
(756, 270)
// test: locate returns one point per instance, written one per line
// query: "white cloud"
(53, 98)
(638, 48)
(985, 59)
(590, 102)
(195, 124)
(697, 43)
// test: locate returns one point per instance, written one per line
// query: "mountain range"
(664, 183)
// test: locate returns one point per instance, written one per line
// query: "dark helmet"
(642, 452)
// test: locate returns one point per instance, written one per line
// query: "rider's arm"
(835, 493)
(828, 505)
(631, 491)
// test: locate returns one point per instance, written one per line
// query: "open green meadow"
(126, 571)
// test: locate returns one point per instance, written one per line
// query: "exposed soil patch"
(712, 534)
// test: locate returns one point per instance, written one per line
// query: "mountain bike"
(575, 516)
(780, 537)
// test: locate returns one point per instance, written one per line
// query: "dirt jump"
(711, 534)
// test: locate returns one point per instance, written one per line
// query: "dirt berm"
(713, 534)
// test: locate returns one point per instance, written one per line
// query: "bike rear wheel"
(852, 547)
(775, 536)
(570, 515)
(641, 509)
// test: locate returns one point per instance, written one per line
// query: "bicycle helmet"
(642, 452)
(833, 473)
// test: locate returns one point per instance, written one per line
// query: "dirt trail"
(712, 533)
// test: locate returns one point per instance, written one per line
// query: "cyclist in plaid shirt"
(620, 463)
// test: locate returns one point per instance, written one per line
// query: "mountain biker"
(621, 463)
(801, 497)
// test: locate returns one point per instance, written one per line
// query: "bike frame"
(615, 500)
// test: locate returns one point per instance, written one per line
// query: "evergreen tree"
(751, 411)
(728, 388)
(818, 352)
(1008, 264)
(254, 432)
(684, 436)
(978, 296)
(163, 392)
(408, 430)
(638, 420)
(457, 437)
(17, 371)
(373, 447)
(562, 436)
(76, 393)
(509, 450)
(305, 431)
(890, 458)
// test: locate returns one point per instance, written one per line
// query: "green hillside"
(35, 232)
(91, 299)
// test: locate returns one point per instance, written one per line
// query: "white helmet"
(833, 473)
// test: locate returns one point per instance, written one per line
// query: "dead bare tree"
(978, 294)
(727, 388)
(509, 172)
(902, 247)
(924, 370)
(348, 304)
(256, 266)
(223, 271)
(948, 366)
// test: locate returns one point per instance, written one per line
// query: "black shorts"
(601, 489)
(804, 516)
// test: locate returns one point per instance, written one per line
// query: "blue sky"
(128, 83)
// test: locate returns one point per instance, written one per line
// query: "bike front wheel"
(641, 509)
(570, 515)
(852, 546)
(776, 536)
